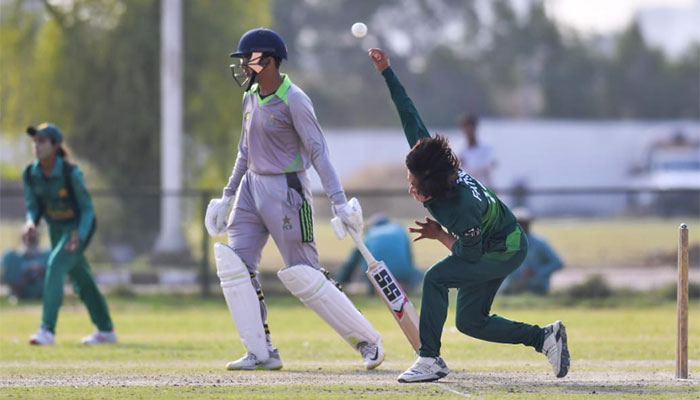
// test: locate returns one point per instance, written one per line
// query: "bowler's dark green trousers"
(73, 264)
(476, 284)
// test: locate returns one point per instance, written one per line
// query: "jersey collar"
(281, 91)
(55, 172)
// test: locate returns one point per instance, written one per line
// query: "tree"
(93, 68)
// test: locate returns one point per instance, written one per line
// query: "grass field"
(582, 243)
(176, 347)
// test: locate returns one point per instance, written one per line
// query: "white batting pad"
(241, 299)
(318, 293)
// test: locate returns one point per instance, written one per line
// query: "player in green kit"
(55, 190)
(486, 243)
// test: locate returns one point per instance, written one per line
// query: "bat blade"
(396, 300)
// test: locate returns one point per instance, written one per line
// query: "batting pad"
(318, 293)
(242, 301)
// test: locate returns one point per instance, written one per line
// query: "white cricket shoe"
(425, 369)
(372, 353)
(42, 337)
(100, 337)
(250, 362)
(556, 349)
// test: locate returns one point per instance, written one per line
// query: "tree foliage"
(92, 66)
(483, 57)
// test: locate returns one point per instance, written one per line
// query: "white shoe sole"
(376, 362)
(430, 378)
(564, 358)
(35, 342)
(266, 366)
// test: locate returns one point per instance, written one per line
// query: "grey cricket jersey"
(281, 134)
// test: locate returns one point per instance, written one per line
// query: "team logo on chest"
(62, 193)
(286, 223)
(271, 120)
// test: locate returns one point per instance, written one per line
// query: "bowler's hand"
(429, 229)
(380, 59)
(73, 243)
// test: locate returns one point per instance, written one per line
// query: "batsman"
(484, 238)
(269, 192)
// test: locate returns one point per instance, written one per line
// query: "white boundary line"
(449, 389)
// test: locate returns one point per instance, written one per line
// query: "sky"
(604, 16)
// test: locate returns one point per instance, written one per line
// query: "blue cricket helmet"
(261, 40)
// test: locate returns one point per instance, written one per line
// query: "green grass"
(582, 243)
(175, 347)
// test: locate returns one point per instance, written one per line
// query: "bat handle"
(361, 246)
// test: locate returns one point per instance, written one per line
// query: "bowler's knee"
(430, 277)
(470, 326)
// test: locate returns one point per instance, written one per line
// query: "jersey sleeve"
(30, 200)
(241, 166)
(239, 169)
(309, 131)
(413, 126)
(82, 197)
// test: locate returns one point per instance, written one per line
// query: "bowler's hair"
(434, 165)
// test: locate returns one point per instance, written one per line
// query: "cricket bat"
(391, 292)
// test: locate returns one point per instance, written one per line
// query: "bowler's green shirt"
(471, 212)
(49, 197)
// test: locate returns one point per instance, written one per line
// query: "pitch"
(176, 347)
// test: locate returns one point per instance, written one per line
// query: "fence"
(128, 224)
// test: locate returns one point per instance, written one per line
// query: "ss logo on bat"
(388, 286)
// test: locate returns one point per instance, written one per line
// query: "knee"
(56, 270)
(56, 259)
(430, 277)
(470, 326)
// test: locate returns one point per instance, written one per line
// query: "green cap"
(51, 131)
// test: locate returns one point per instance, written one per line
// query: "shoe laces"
(422, 366)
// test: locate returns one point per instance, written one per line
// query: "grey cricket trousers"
(266, 205)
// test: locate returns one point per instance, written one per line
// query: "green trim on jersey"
(293, 165)
(281, 91)
(471, 212)
(513, 241)
(307, 223)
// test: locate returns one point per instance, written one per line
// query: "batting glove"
(350, 213)
(216, 217)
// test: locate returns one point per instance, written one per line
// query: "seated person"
(23, 271)
(388, 242)
(541, 261)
